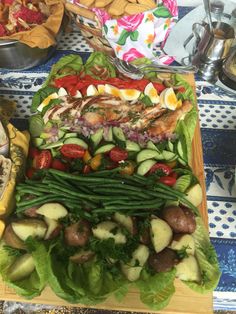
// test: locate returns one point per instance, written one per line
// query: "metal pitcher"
(213, 47)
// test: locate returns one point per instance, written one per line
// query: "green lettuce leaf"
(96, 281)
(89, 283)
(186, 128)
(31, 286)
(99, 60)
(207, 260)
(40, 95)
(59, 281)
(156, 290)
(67, 65)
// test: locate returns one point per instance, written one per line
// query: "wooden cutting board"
(184, 300)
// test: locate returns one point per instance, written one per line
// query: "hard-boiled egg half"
(112, 90)
(46, 101)
(62, 92)
(130, 94)
(91, 90)
(101, 88)
(169, 100)
(152, 93)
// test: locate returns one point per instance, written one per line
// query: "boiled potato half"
(188, 269)
(109, 229)
(52, 211)
(139, 258)
(161, 234)
(11, 239)
(25, 228)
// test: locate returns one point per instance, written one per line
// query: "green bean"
(80, 178)
(124, 207)
(30, 191)
(133, 203)
(116, 191)
(181, 196)
(104, 172)
(39, 201)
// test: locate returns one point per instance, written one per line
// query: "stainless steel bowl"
(15, 55)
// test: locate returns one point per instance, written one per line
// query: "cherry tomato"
(72, 151)
(30, 172)
(118, 154)
(33, 152)
(86, 169)
(181, 89)
(43, 160)
(128, 168)
(59, 165)
(174, 175)
(168, 180)
(163, 167)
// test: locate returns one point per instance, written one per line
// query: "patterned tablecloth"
(217, 110)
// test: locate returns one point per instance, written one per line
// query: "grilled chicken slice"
(166, 124)
(100, 110)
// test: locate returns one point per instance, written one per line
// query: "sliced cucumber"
(61, 133)
(170, 146)
(169, 156)
(182, 162)
(77, 141)
(37, 141)
(52, 145)
(104, 149)
(183, 183)
(147, 154)
(180, 150)
(119, 137)
(132, 146)
(54, 152)
(118, 134)
(110, 135)
(97, 137)
(145, 166)
(151, 145)
(69, 135)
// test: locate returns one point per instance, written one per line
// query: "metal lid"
(217, 7)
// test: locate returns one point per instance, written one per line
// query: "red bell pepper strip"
(81, 83)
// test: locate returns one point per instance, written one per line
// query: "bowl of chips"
(29, 31)
(99, 20)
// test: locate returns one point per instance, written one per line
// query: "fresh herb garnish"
(182, 253)
(147, 101)
(12, 251)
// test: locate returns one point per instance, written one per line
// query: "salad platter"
(112, 211)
